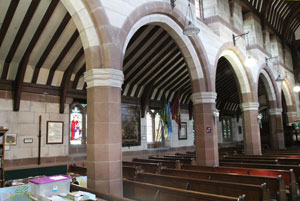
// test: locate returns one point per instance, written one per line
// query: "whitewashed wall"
(174, 139)
(25, 124)
(237, 137)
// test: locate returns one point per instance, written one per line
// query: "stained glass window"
(76, 126)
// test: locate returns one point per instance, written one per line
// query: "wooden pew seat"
(150, 192)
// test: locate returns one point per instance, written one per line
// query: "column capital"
(204, 97)
(104, 77)
(275, 111)
(249, 106)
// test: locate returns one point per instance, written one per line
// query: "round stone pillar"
(206, 136)
(252, 141)
(276, 128)
(104, 139)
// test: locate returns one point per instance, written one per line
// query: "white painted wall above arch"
(239, 70)
(176, 33)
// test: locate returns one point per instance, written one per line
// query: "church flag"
(176, 112)
(169, 120)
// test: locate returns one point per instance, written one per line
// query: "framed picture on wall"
(182, 135)
(55, 132)
(10, 139)
(131, 127)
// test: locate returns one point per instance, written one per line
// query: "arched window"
(154, 127)
(77, 124)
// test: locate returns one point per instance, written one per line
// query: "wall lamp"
(296, 89)
(235, 38)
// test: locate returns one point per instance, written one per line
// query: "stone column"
(104, 143)
(292, 116)
(276, 128)
(252, 141)
(206, 136)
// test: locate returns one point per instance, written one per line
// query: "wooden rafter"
(64, 87)
(24, 61)
(29, 14)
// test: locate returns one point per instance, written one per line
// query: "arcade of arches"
(107, 71)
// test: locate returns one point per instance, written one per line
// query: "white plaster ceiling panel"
(57, 78)
(31, 29)
(3, 10)
(43, 76)
(59, 45)
(48, 33)
(70, 56)
(13, 28)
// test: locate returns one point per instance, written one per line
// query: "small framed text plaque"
(55, 132)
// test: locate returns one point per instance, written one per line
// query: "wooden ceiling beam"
(62, 55)
(78, 75)
(7, 20)
(149, 62)
(144, 55)
(163, 68)
(24, 61)
(64, 86)
(50, 46)
(24, 25)
(139, 46)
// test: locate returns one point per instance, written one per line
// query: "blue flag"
(169, 120)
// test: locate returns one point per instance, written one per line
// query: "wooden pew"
(182, 160)
(77, 170)
(251, 192)
(275, 185)
(295, 168)
(279, 160)
(103, 196)
(130, 172)
(147, 167)
(271, 161)
(165, 163)
(150, 192)
(292, 184)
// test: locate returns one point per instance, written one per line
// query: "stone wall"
(236, 135)
(25, 123)
(174, 144)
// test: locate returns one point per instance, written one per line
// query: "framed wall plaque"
(10, 139)
(28, 140)
(55, 132)
(182, 135)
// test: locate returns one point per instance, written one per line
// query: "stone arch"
(269, 82)
(288, 94)
(290, 102)
(90, 20)
(172, 21)
(242, 76)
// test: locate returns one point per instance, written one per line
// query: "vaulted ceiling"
(228, 92)
(39, 44)
(282, 16)
(154, 66)
(41, 52)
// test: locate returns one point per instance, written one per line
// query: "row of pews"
(239, 177)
